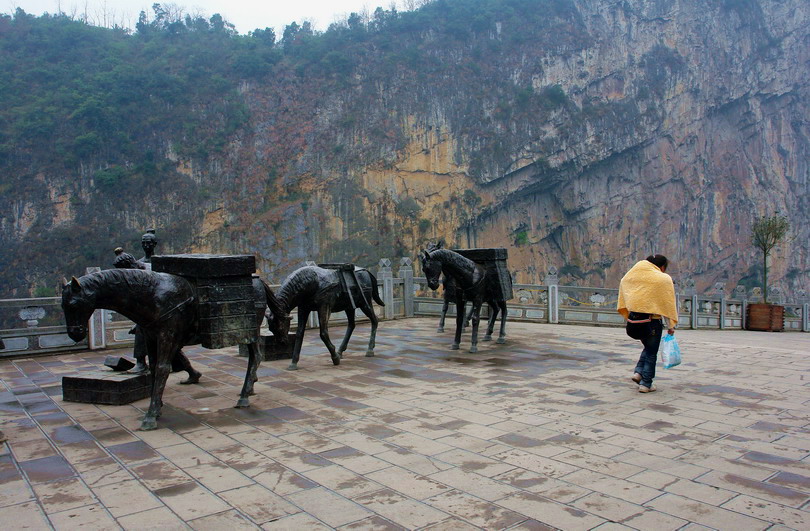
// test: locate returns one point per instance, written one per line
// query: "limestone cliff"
(602, 132)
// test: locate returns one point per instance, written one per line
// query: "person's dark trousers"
(139, 352)
(646, 363)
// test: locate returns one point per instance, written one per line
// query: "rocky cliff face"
(616, 130)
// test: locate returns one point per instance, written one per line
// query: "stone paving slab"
(546, 431)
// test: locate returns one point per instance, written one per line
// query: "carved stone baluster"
(406, 274)
(97, 331)
(386, 277)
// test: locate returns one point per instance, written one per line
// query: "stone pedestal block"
(106, 387)
(270, 350)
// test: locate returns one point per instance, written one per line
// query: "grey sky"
(246, 15)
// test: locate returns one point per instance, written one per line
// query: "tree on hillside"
(766, 233)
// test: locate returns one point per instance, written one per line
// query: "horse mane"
(295, 285)
(272, 301)
(452, 257)
(130, 279)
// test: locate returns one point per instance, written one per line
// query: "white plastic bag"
(670, 351)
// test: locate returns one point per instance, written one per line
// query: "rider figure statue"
(148, 242)
(125, 260)
(179, 362)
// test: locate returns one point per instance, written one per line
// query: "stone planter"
(765, 317)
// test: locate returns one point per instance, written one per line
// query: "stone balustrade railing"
(36, 326)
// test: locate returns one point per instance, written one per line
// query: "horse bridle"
(76, 328)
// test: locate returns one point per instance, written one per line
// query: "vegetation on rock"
(550, 115)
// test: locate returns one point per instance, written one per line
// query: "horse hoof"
(487, 338)
(454, 347)
(242, 403)
(292, 367)
(501, 340)
(148, 425)
(440, 329)
(370, 353)
(473, 349)
(336, 360)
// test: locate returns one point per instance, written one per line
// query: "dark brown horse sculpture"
(315, 289)
(471, 285)
(163, 305)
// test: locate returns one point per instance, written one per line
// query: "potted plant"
(766, 233)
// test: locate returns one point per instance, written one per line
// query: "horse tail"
(374, 294)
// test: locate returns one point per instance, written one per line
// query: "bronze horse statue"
(471, 285)
(316, 289)
(163, 305)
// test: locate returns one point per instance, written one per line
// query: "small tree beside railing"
(766, 233)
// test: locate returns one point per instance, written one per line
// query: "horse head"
(279, 325)
(78, 306)
(278, 319)
(432, 269)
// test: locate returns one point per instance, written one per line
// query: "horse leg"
(502, 337)
(469, 315)
(460, 307)
(349, 330)
(259, 319)
(166, 347)
(445, 306)
(303, 315)
(255, 367)
(254, 359)
(493, 314)
(324, 312)
(476, 320)
(369, 311)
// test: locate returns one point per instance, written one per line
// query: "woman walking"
(646, 298)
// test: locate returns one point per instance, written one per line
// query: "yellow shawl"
(647, 289)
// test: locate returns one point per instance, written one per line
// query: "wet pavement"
(546, 431)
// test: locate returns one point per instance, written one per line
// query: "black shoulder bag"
(639, 325)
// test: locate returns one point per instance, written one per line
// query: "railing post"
(97, 333)
(719, 290)
(806, 317)
(741, 295)
(553, 304)
(693, 324)
(743, 313)
(551, 281)
(386, 277)
(406, 274)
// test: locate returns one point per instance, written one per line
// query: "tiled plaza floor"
(544, 432)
